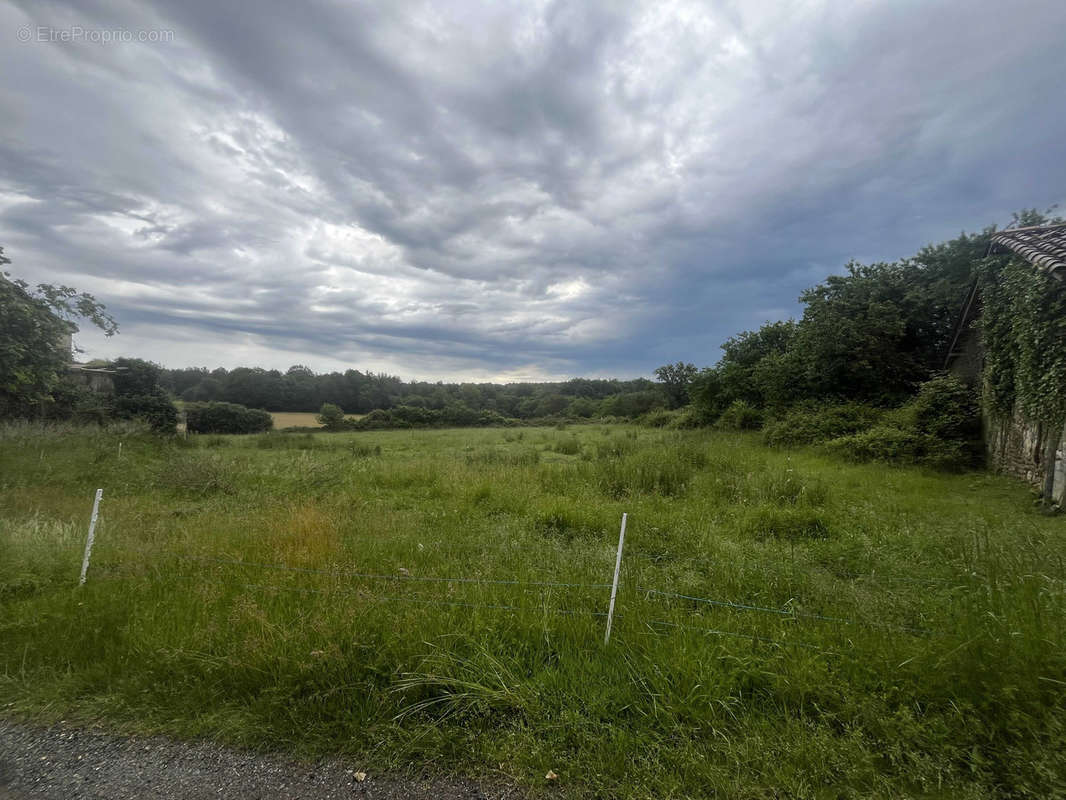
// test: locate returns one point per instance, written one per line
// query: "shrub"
(226, 418)
(331, 417)
(459, 415)
(740, 416)
(155, 409)
(415, 415)
(938, 428)
(881, 443)
(814, 424)
(659, 418)
(687, 418)
(947, 409)
(380, 418)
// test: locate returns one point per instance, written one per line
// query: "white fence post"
(92, 534)
(614, 586)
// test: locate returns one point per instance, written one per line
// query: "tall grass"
(876, 632)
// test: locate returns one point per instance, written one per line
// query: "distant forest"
(300, 389)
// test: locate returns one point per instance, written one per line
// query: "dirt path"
(68, 763)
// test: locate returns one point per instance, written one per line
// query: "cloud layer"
(506, 190)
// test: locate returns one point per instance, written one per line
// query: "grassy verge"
(876, 632)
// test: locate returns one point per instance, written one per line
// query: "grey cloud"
(551, 188)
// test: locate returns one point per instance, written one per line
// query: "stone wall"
(1020, 447)
(98, 381)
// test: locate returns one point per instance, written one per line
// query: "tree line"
(300, 389)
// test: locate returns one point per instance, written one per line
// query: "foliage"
(135, 376)
(675, 380)
(300, 389)
(940, 428)
(226, 418)
(740, 416)
(814, 423)
(155, 409)
(659, 418)
(1023, 334)
(34, 328)
(871, 335)
(946, 408)
(138, 395)
(331, 417)
(741, 374)
(858, 338)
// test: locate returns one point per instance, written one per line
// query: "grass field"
(874, 632)
(300, 419)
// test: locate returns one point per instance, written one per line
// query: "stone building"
(95, 379)
(1017, 445)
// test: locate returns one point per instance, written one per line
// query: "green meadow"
(787, 625)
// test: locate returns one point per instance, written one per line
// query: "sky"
(503, 190)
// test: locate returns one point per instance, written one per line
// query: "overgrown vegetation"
(226, 418)
(859, 372)
(875, 633)
(1023, 325)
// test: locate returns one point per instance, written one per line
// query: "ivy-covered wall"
(1023, 336)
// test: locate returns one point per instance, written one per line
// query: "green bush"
(947, 409)
(740, 416)
(155, 409)
(881, 443)
(686, 419)
(939, 428)
(331, 417)
(226, 418)
(814, 424)
(416, 415)
(901, 446)
(659, 418)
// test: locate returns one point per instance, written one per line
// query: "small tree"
(676, 378)
(34, 328)
(331, 417)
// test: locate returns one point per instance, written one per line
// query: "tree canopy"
(871, 334)
(35, 326)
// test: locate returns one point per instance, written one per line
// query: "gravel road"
(69, 763)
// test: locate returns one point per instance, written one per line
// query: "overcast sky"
(507, 190)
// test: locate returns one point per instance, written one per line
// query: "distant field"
(300, 419)
(788, 625)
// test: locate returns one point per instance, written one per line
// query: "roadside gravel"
(70, 763)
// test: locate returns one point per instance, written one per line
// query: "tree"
(676, 379)
(139, 395)
(35, 330)
(135, 376)
(331, 417)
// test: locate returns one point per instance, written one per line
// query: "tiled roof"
(1042, 246)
